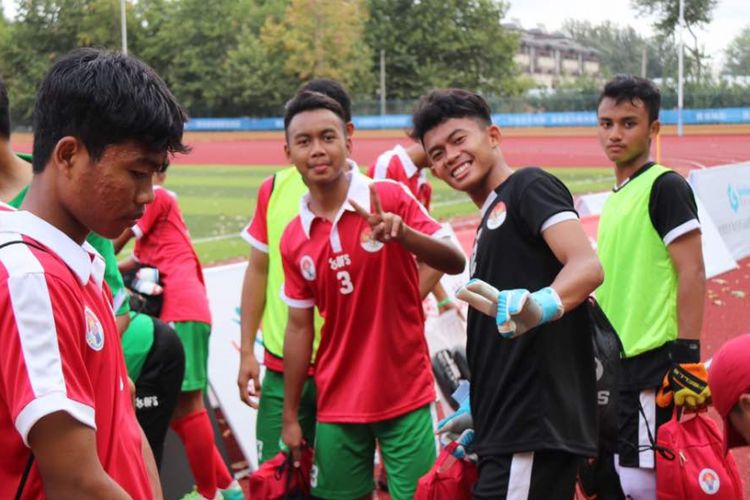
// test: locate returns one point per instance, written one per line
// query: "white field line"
(216, 238)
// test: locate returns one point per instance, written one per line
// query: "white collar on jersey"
(359, 191)
(84, 260)
(410, 169)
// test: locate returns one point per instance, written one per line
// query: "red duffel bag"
(278, 479)
(693, 465)
(450, 477)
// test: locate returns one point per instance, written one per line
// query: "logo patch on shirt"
(369, 244)
(94, 330)
(307, 266)
(497, 216)
(709, 481)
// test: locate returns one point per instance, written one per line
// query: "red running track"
(682, 153)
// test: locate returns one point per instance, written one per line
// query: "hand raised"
(385, 226)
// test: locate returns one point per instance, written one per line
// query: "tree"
(45, 29)
(255, 78)
(697, 13)
(621, 48)
(738, 55)
(187, 43)
(322, 39)
(452, 43)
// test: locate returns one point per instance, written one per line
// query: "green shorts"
(137, 341)
(194, 337)
(344, 454)
(270, 410)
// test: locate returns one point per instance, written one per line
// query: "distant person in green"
(261, 305)
(155, 363)
(649, 243)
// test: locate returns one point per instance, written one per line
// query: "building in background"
(552, 58)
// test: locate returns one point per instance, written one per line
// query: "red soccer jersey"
(163, 241)
(256, 232)
(395, 164)
(372, 362)
(61, 352)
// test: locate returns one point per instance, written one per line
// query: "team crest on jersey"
(307, 266)
(369, 243)
(709, 481)
(94, 330)
(497, 216)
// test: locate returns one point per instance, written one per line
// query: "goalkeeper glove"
(686, 382)
(455, 424)
(515, 311)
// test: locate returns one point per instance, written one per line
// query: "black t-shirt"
(535, 392)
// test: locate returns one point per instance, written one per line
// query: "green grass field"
(218, 201)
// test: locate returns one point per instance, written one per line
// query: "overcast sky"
(729, 17)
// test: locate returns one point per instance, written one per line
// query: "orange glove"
(687, 385)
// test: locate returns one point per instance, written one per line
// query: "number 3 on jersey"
(345, 282)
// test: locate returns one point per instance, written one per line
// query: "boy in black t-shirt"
(533, 397)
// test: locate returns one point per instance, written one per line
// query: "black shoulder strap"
(21, 242)
(24, 477)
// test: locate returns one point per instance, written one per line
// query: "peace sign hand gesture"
(385, 226)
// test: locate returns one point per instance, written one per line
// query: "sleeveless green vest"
(283, 206)
(639, 293)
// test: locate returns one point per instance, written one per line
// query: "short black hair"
(310, 101)
(332, 89)
(629, 88)
(4, 112)
(443, 104)
(105, 98)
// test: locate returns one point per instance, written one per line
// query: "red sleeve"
(297, 291)
(43, 370)
(406, 205)
(154, 211)
(387, 166)
(256, 232)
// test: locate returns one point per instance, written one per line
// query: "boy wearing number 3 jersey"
(350, 253)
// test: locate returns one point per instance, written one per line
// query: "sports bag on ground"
(450, 478)
(278, 479)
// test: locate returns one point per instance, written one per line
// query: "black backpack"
(608, 354)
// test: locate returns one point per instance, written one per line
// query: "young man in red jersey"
(373, 374)
(103, 124)
(262, 307)
(163, 242)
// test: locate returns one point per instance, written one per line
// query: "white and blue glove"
(459, 426)
(454, 425)
(515, 311)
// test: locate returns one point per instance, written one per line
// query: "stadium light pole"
(680, 70)
(382, 82)
(123, 28)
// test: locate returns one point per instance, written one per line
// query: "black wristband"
(684, 351)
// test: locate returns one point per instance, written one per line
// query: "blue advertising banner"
(560, 119)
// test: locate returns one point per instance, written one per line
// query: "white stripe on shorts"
(646, 458)
(519, 481)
